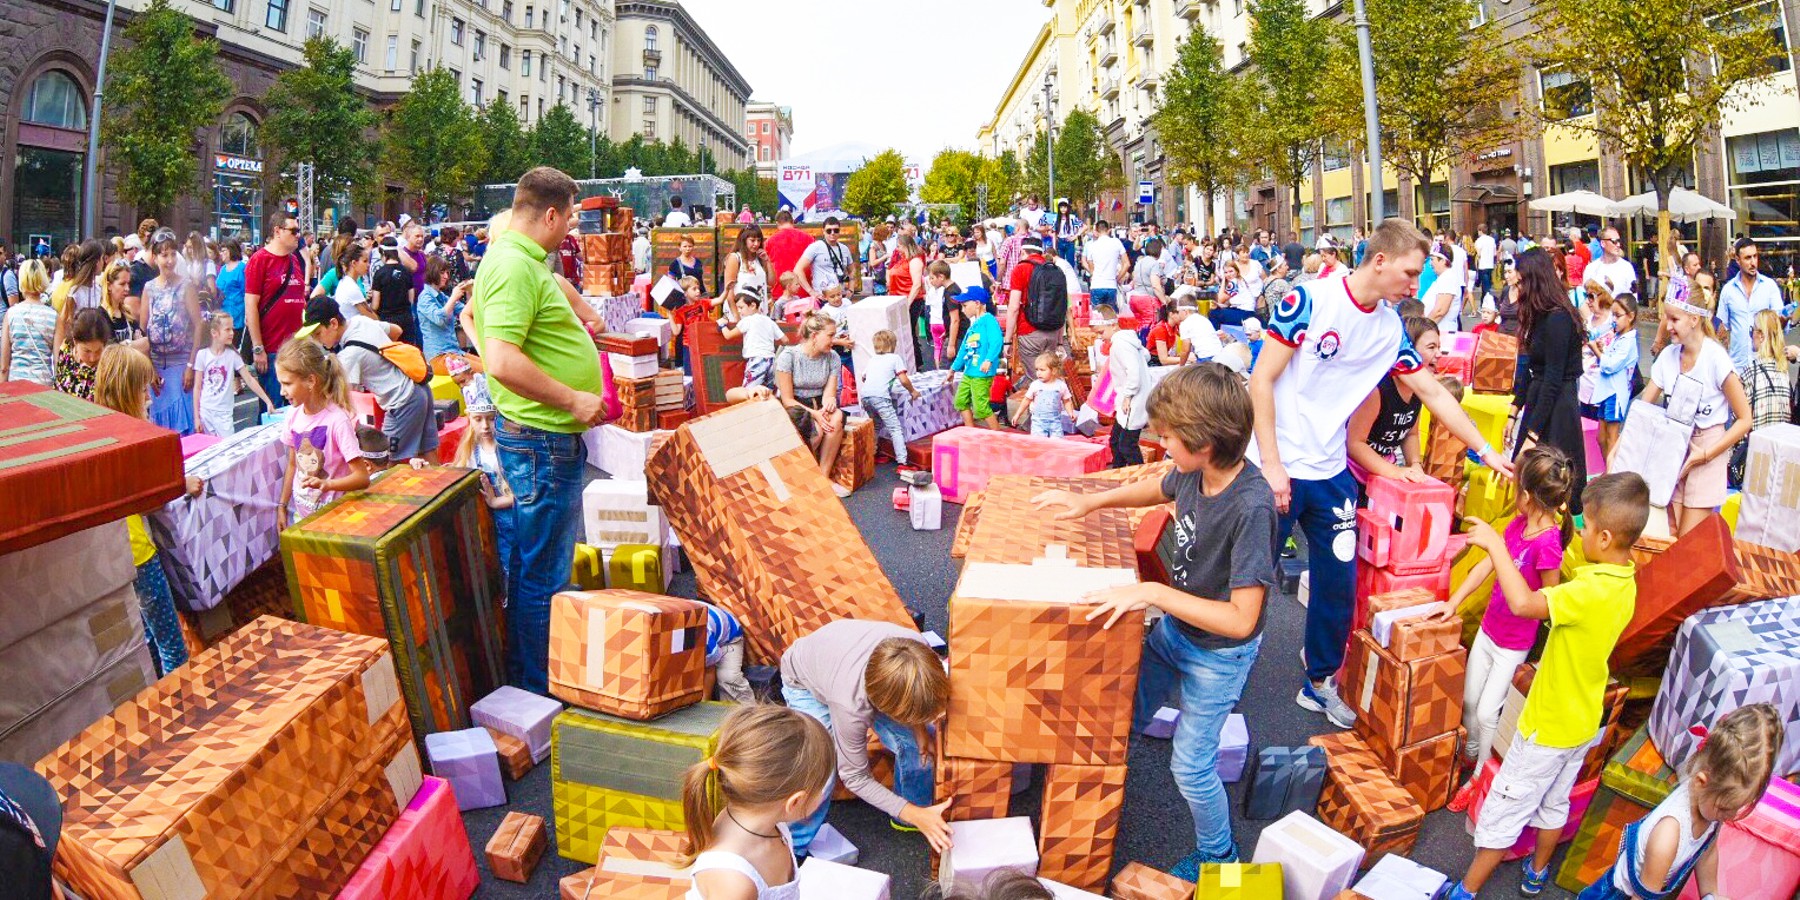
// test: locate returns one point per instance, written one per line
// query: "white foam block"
(981, 847)
(1316, 862)
(1060, 891)
(1382, 625)
(830, 845)
(824, 880)
(1395, 877)
(618, 511)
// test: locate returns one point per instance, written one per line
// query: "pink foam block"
(450, 437)
(1103, 399)
(902, 498)
(1406, 528)
(194, 443)
(365, 410)
(1371, 580)
(425, 856)
(963, 459)
(1759, 855)
(1590, 440)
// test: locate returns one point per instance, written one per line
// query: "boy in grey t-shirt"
(1222, 571)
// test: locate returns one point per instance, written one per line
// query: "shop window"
(1765, 184)
(1339, 213)
(1565, 96)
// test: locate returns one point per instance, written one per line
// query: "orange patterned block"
(1031, 679)
(1011, 531)
(1140, 882)
(965, 525)
(1079, 823)
(412, 560)
(1692, 574)
(1766, 574)
(650, 845)
(1397, 703)
(515, 754)
(1427, 769)
(269, 765)
(983, 789)
(1362, 801)
(517, 845)
(767, 538)
(855, 463)
(594, 884)
(627, 653)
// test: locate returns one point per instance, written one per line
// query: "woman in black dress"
(1545, 406)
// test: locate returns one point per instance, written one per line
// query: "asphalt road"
(1156, 829)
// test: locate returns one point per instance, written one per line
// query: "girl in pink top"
(1535, 540)
(324, 457)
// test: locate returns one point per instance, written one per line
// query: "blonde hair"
(688, 281)
(816, 323)
(122, 379)
(766, 753)
(1738, 756)
(1767, 325)
(1049, 360)
(307, 358)
(465, 449)
(33, 278)
(906, 682)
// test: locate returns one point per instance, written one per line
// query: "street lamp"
(594, 134)
(1371, 115)
(1050, 139)
(91, 177)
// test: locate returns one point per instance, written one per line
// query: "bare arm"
(5, 347)
(583, 311)
(1271, 363)
(1234, 619)
(1445, 408)
(1740, 426)
(1064, 505)
(255, 388)
(1520, 598)
(287, 490)
(1358, 438)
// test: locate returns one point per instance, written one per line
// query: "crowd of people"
(1293, 376)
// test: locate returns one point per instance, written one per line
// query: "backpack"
(403, 356)
(1047, 298)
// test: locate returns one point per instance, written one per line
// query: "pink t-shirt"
(323, 443)
(1533, 556)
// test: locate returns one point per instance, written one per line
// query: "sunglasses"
(831, 231)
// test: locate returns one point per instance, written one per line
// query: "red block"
(365, 410)
(1371, 580)
(1406, 528)
(1150, 546)
(449, 438)
(67, 465)
(425, 856)
(1695, 572)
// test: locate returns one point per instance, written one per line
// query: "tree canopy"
(878, 186)
(433, 144)
(316, 116)
(164, 87)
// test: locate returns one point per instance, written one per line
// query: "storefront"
(237, 182)
(47, 172)
(1490, 195)
(1764, 187)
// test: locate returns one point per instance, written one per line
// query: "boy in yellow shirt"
(1562, 713)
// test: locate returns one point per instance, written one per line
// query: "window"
(1744, 18)
(359, 44)
(226, 5)
(1479, 17)
(540, 107)
(1431, 206)
(762, 153)
(237, 136)
(505, 57)
(578, 18)
(524, 108)
(650, 39)
(1237, 7)
(530, 16)
(475, 91)
(593, 64)
(594, 29)
(315, 23)
(55, 100)
(1306, 223)
(456, 31)
(276, 15)
(1565, 96)
(395, 5)
(650, 73)
(1390, 203)
(650, 128)
(456, 76)
(1334, 156)
(480, 45)
(544, 69)
(649, 105)
(565, 11)
(765, 128)
(562, 85)
(392, 58)
(1338, 214)
(1575, 177)
(525, 63)
(413, 61)
(576, 58)
(419, 8)
(506, 10)
(562, 44)
(500, 97)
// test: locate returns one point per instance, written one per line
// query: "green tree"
(433, 143)
(316, 116)
(606, 157)
(508, 146)
(1081, 158)
(1284, 103)
(878, 186)
(165, 86)
(1195, 120)
(952, 178)
(631, 153)
(1667, 76)
(681, 159)
(1005, 180)
(1035, 171)
(561, 141)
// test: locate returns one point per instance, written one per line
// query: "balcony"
(652, 56)
(1144, 36)
(1109, 87)
(1109, 53)
(1189, 9)
(1103, 24)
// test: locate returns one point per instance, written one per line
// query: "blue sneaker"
(1323, 698)
(1189, 867)
(1532, 882)
(1453, 890)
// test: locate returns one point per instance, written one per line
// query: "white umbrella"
(1585, 202)
(1684, 206)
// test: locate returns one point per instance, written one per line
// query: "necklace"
(734, 820)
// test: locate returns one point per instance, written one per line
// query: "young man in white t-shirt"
(1611, 274)
(1330, 343)
(1104, 258)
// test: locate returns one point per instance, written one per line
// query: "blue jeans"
(913, 779)
(545, 471)
(1325, 510)
(1210, 683)
(882, 408)
(1103, 297)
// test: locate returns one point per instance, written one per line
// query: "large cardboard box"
(211, 543)
(1079, 823)
(983, 789)
(616, 511)
(268, 766)
(871, 314)
(1006, 528)
(627, 653)
(1399, 704)
(425, 856)
(1496, 362)
(1770, 514)
(1643, 447)
(1362, 801)
(1724, 659)
(1638, 772)
(1311, 861)
(767, 538)
(67, 465)
(99, 646)
(963, 459)
(412, 560)
(1695, 572)
(855, 462)
(1031, 679)
(933, 412)
(607, 771)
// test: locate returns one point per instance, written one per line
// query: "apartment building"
(670, 81)
(770, 129)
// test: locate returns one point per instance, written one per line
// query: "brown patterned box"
(1427, 769)
(1377, 603)
(627, 653)
(1362, 801)
(1422, 637)
(515, 755)
(983, 789)
(1079, 823)
(1010, 530)
(1031, 679)
(1766, 575)
(629, 345)
(517, 845)
(1444, 455)
(767, 538)
(855, 463)
(634, 862)
(232, 775)
(1140, 882)
(1496, 360)
(594, 884)
(1397, 703)
(965, 525)
(1694, 573)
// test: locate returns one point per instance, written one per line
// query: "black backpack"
(1047, 297)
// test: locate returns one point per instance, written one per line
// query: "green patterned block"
(1595, 846)
(1638, 771)
(607, 771)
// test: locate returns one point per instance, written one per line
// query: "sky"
(817, 56)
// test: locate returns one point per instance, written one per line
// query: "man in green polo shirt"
(544, 374)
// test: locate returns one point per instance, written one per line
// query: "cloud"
(919, 76)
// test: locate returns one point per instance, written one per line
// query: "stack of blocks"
(1404, 540)
(628, 531)
(1702, 569)
(606, 264)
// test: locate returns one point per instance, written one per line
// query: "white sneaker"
(840, 490)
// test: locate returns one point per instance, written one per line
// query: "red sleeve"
(1021, 277)
(256, 275)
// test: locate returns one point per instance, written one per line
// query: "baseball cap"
(133, 242)
(1031, 244)
(320, 311)
(1252, 326)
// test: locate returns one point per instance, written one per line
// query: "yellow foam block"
(443, 387)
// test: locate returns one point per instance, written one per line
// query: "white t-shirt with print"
(218, 387)
(1618, 275)
(1700, 391)
(761, 334)
(1341, 350)
(1106, 255)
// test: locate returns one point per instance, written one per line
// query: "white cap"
(133, 242)
(1326, 243)
(1251, 324)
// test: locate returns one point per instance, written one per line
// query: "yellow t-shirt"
(1587, 615)
(141, 548)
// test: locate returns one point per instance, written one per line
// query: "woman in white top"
(748, 265)
(1702, 388)
(1445, 304)
(772, 768)
(198, 267)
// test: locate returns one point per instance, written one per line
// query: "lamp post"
(1371, 115)
(90, 201)
(594, 134)
(1050, 132)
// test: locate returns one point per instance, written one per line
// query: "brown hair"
(1395, 238)
(1452, 384)
(1618, 502)
(816, 323)
(1738, 756)
(766, 753)
(939, 268)
(90, 325)
(1417, 327)
(1206, 407)
(1048, 358)
(122, 379)
(307, 358)
(542, 188)
(743, 238)
(1410, 308)
(436, 267)
(906, 682)
(884, 341)
(1547, 480)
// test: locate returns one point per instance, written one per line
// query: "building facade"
(770, 130)
(671, 82)
(533, 53)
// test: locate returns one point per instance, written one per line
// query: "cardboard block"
(963, 459)
(1284, 780)
(426, 854)
(520, 713)
(1397, 703)
(1724, 659)
(1312, 861)
(1362, 801)
(607, 771)
(517, 845)
(468, 760)
(627, 653)
(1079, 823)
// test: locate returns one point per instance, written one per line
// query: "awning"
(1486, 193)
